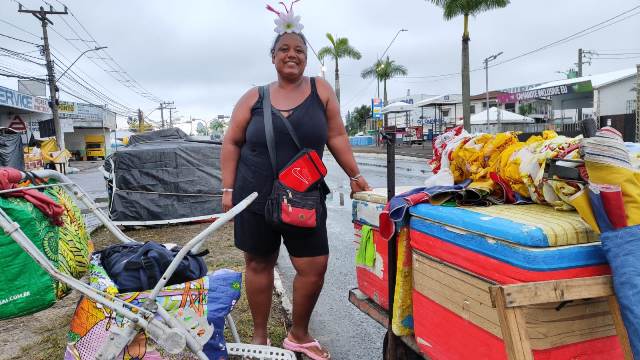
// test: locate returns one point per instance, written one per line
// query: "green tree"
(216, 126)
(339, 49)
(384, 70)
(357, 119)
(134, 125)
(454, 8)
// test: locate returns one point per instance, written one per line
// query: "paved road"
(92, 182)
(336, 323)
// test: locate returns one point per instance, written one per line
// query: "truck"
(95, 146)
(413, 135)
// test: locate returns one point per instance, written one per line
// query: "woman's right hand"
(227, 202)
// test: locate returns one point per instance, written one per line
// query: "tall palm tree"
(451, 9)
(384, 70)
(340, 48)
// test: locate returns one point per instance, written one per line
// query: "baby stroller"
(172, 333)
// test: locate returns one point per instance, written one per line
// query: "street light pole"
(486, 71)
(385, 53)
(76, 60)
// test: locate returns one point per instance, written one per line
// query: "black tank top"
(254, 172)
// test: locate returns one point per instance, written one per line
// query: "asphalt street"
(336, 323)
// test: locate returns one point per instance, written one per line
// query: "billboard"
(580, 87)
(376, 108)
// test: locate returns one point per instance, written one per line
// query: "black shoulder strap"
(292, 132)
(268, 127)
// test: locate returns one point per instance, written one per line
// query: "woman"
(311, 106)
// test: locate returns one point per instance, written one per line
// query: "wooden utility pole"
(53, 89)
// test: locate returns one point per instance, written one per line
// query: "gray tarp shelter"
(164, 177)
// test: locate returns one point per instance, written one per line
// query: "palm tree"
(340, 48)
(451, 9)
(384, 70)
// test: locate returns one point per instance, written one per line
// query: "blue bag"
(622, 249)
(139, 267)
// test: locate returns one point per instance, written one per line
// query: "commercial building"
(31, 115)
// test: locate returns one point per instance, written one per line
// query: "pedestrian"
(311, 107)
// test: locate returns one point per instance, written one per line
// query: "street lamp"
(486, 70)
(84, 52)
(385, 53)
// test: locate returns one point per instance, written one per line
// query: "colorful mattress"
(213, 295)
(509, 243)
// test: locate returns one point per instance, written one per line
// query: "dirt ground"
(42, 336)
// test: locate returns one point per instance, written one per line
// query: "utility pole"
(486, 72)
(166, 105)
(53, 89)
(638, 103)
(140, 121)
(162, 113)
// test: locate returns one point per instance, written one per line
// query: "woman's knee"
(260, 264)
(312, 268)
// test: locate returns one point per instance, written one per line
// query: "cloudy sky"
(204, 55)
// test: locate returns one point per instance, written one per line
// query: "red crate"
(443, 335)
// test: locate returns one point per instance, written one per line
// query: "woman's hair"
(278, 37)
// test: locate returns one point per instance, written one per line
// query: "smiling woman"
(304, 115)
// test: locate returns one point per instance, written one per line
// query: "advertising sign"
(580, 87)
(376, 108)
(67, 107)
(19, 100)
(66, 125)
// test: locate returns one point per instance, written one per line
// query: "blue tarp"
(361, 140)
(622, 249)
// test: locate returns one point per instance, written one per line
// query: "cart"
(172, 333)
(506, 303)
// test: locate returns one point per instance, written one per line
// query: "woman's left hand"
(358, 185)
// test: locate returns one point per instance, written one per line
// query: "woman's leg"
(259, 287)
(307, 285)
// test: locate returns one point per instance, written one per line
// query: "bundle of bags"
(502, 168)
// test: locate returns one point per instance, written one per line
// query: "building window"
(510, 107)
(473, 109)
(445, 112)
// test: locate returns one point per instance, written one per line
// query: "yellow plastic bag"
(402, 324)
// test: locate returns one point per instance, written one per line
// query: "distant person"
(311, 107)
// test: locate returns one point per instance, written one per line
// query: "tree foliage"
(134, 125)
(339, 49)
(357, 120)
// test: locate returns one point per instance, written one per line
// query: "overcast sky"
(205, 54)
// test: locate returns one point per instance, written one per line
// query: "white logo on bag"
(296, 172)
(15, 297)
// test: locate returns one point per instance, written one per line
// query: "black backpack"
(139, 267)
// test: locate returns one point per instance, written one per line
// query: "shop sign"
(15, 99)
(67, 107)
(41, 105)
(580, 87)
(17, 124)
(376, 108)
(66, 125)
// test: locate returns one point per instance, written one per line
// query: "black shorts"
(253, 235)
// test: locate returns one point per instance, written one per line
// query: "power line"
(16, 39)
(584, 32)
(128, 80)
(21, 29)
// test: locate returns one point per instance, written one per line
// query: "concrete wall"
(612, 99)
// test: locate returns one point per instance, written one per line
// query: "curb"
(284, 299)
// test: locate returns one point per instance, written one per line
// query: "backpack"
(139, 267)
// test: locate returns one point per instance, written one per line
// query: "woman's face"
(290, 56)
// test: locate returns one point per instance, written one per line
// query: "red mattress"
(443, 335)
